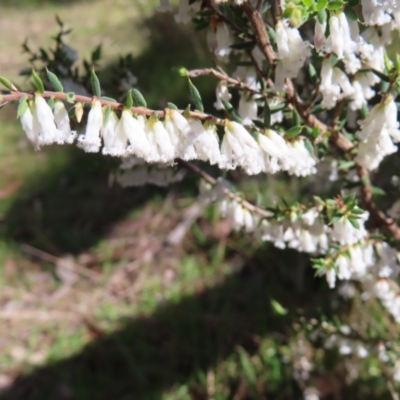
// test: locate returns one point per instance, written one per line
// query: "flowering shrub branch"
(317, 85)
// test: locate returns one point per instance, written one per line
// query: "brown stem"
(114, 105)
(378, 216)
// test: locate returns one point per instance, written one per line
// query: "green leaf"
(172, 106)
(322, 16)
(95, 84)
(267, 115)
(335, 5)
(51, 103)
(138, 98)
(351, 14)
(6, 83)
(346, 165)
(107, 116)
(247, 366)
(129, 100)
(198, 103)
(278, 308)
(321, 4)
(70, 97)
(293, 132)
(377, 191)
(243, 45)
(380, 74)
(309, 146)
(308, 3)
(296, 118)
(58, 87)
(38, 82)
(354, 222)
(22, 106)
(110, 99)
(231, 110)
(277, 108)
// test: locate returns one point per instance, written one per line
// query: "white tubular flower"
(274, 148)
(43, 120)
(108, 133)
(336, 36)
(183, 136)
(164, 6)
(343, 266)
(378, 131)
(62, 122)
(31, 130)
(345, 233)
(330, 91)
(221, 93)
(134, 129)
(362, 91)
(292, 51)
(319, 35)
(165, 149)
(299, 161)
(247, 75)
(207, 143)
(331, 277)
(90, 141)
(118, 138)
(247, 109)
(223, 40)
(239, 148)
(376, 12)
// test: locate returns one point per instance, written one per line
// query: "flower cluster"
(156, 141)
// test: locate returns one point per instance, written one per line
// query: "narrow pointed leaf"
(95, 84)
(23, 106)
(6, 83)
(267, 115)
(196, 97)
(38, 82)
(138, 98)
(55, 82)
(293, 132)
(129, 99)
(231, 110)
(172, 106)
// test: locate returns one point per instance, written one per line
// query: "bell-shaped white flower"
(90, 141)
(31, 131)
(184, 136)
(377, 12)
(292, 51)
(223, 41)
(240, 148)
(207, 142)
(378, 132)
(345, 233)
(61, 119)
(222, 93)
(160, 142)
(319, 35)
(247, 109)
(108, 132)
(134, 129)
(186, 11)
(43, 121)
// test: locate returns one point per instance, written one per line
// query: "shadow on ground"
(150, 355)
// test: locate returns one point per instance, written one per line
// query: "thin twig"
(114, 105)
(212, 181)
(92, 275)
